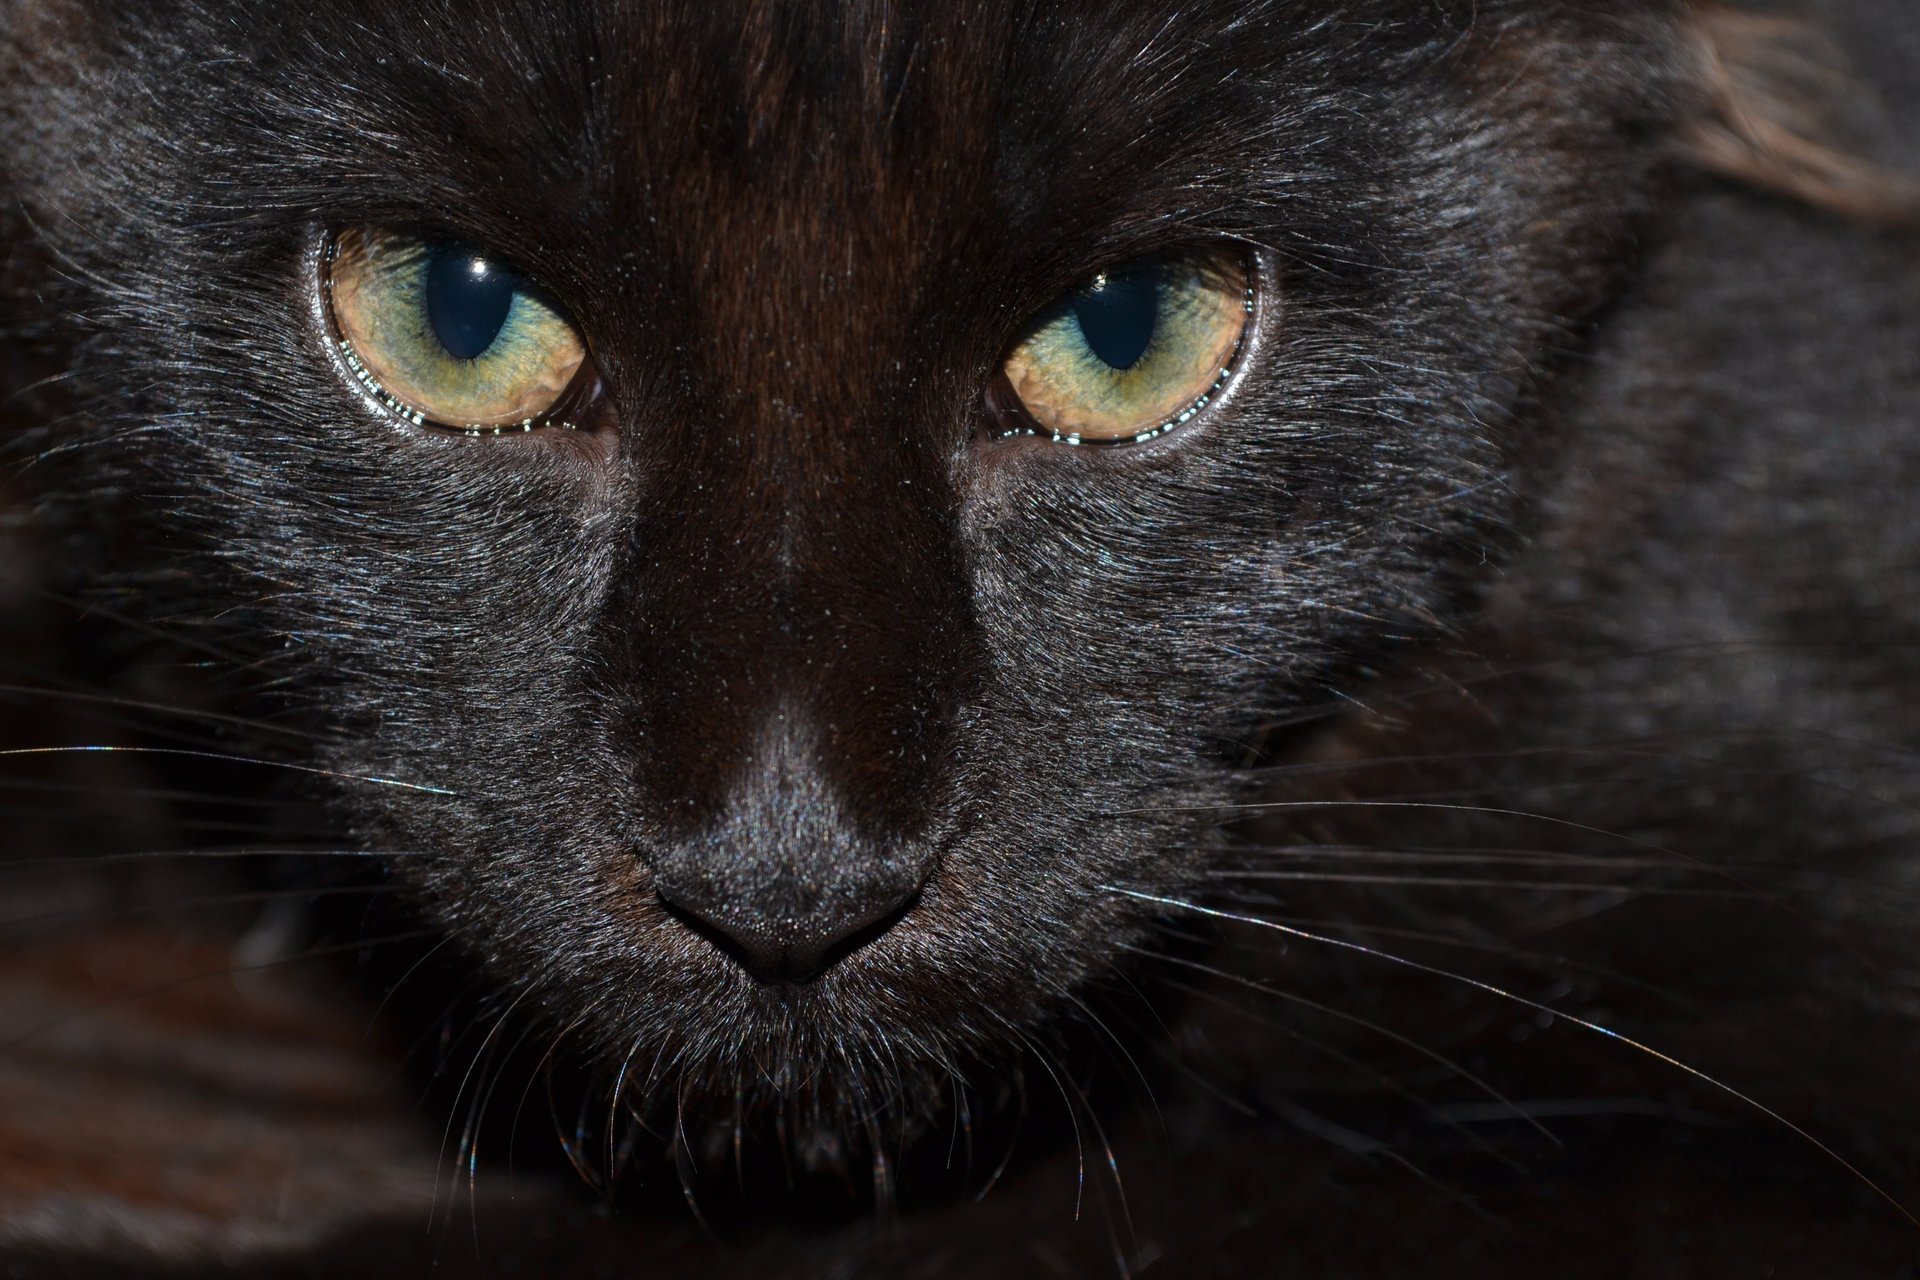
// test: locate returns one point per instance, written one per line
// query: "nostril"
(756, 952)
(793, 949)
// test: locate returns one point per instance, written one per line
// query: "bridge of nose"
(797, 549)
(799, 625)
(796, 615)
(771, 584)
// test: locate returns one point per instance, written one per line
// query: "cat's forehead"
(641, 127)
(680, 115)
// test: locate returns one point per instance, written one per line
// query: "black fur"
(1557, 481)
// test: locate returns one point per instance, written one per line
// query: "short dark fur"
(786, 634)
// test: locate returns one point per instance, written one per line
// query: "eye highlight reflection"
(1136, 351)
(445, 336)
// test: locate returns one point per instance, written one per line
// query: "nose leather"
(785, 882)
(780, 947)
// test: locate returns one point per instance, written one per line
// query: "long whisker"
(1466, 882)
(1267, 806)
(231, 758)
(1119, 1045)
(119, 790)
(97, 610)
(540, 1070)
(1073, 1116)
(1792, 878)
(454, 1106)
(613, 1105)
(683, 1162)
(1100, 1133)
(1466, 683)
(239, 827)
(484, 1103)
(1407, 1042)
(1504, 950)
(1538, 1007)
(138, 704)
(67, 862)
(1486, 810)
(1366, 1146)
(374, 1017)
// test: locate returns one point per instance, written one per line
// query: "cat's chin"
(817, 1080)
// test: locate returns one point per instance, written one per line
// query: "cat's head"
(963, 428)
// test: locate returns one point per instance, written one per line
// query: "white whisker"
(1537, 1006)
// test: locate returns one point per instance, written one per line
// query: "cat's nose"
(789, 936)
(788, 877)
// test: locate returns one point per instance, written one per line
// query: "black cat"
(1285, 630)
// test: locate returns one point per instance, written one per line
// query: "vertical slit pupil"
(1116, 313)
(468, 299)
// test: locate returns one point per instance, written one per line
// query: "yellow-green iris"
(445, 335)
(1136, 350)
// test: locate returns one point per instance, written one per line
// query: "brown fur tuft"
(1768, 121)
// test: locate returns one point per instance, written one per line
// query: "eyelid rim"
(1011, 420)
(568, 412)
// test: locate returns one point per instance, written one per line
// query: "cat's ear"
(1770, 96)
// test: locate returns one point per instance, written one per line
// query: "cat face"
(799, 711)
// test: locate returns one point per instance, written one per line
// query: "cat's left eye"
(447, 336)
(1138, 349)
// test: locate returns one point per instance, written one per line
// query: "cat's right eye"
(446, 336)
